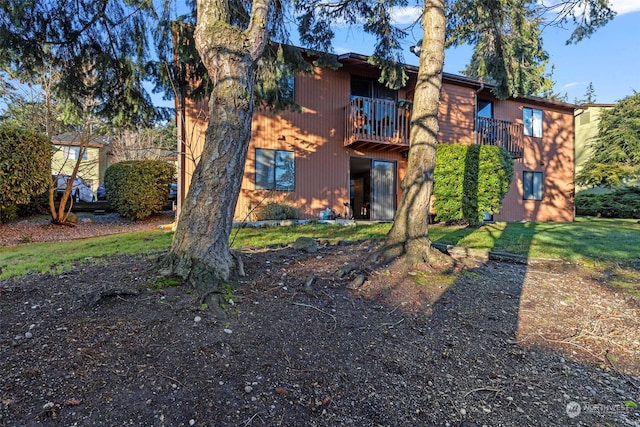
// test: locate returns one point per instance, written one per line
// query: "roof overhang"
(357, 59)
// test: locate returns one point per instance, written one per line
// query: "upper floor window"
(370, 88)
(485, 109)
(72, 153)
(288, 87)
(532, 120)
(282, 90)
(275, 170)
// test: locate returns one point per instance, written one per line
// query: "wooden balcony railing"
(377, 124)
(507, 135)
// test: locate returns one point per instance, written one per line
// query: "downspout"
(475, 113)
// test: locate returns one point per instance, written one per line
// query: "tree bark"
(200, 252)
(409, 234)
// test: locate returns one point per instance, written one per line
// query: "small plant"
(420, 278)
(164, 282)
(26, 238)
(227, 295)
(275, 210)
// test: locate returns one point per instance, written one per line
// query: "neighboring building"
(587, 117)
(67, 148)
(349, 144)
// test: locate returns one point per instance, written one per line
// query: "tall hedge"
(622, 203)
(25, 165)
(138, 188)
(470, 180)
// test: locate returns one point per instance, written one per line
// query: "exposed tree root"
(415, 252)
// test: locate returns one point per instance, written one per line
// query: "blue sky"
(610, 59)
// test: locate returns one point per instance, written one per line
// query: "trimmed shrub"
(275, 210)
(8, 213)
(470, 180)
(138, 188)
(25, 165)
(622, 203)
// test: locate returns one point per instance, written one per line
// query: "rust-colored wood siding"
(553, 155)
(456, 114)
(316, 136)
(192, 130)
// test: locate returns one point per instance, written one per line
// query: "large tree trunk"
(200, 251)
(409, 235)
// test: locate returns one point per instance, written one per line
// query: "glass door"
(383, 190)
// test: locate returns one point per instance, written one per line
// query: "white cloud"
(405, 15)
(620, 6)
(625, 6)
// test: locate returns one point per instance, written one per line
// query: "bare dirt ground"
(305, 344)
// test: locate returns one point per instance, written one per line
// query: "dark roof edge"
(596, 105)
(456, 78)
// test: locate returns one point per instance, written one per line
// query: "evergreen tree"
(616, 148)
(589, 96)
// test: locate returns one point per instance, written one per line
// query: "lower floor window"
(532, 185)
(275, 170)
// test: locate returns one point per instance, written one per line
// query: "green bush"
(275, 210)
(8, 213)
(139, 188)
(39, 204)
(470, 180)
(622, 203)
(25, 165)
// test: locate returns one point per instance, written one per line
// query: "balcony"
(507, 135)
(376, 124)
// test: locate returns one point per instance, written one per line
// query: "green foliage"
(138, 188)
(8, 213)
(470, 180)
(100, 49)
(164, 282)
(622, 203)
(38, 116)
(273, 210)
(507, 38)
(508, 47)
(616, 148)
(25, 163)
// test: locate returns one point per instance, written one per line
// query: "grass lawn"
(586, 241)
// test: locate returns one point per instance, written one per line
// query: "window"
(485, 109)
(72, 153)
(532, 185)
(284, 90)
(288, 87)
(275, 170)
(532, 120)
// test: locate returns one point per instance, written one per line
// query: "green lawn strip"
(586, 241)
(56, 257)
(283, 236)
